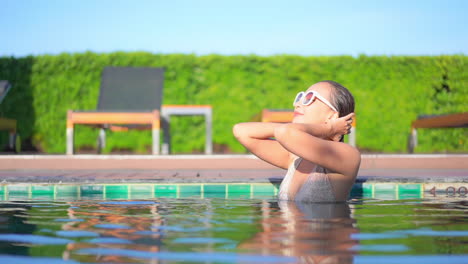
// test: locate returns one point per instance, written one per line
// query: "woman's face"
(317, 112)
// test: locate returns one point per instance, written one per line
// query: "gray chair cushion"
(130, 89)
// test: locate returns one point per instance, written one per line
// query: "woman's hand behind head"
(341, 126)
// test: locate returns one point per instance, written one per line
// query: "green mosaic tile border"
(203, 190)
(393, 191)
(138, 191)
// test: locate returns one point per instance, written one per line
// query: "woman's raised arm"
(308, 141)
(257, 138)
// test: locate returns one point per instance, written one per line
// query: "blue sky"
(377, 27)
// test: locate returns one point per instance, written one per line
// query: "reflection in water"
(12, 217)
(231, 230)
(311, 232)
(119, 225)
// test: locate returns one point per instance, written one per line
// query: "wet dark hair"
(341, 98)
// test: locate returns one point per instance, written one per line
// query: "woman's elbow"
(237, 130)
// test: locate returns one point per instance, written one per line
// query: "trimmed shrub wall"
(390, 92)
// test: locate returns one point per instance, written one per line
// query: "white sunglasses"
(308, 98)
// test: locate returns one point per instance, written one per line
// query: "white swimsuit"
(316, 188)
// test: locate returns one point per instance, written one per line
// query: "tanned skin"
(314, 136)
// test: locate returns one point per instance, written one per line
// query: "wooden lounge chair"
(7, 124)
(277, 115)
(435, 121)
(130, 98)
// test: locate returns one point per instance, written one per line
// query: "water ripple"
(76, 233)
(188, 256)
(33, 239)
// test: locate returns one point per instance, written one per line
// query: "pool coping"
(215, 168)
(105, 191)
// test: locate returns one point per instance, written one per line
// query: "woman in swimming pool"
(321, 168)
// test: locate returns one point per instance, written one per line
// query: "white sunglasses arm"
(325, 101)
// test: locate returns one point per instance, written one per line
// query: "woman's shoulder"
(351, 152)
(347, 160)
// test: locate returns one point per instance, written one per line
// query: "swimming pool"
(230, 223)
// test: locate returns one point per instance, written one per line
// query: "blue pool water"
(237, 230)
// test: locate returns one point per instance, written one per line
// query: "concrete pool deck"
(215, 168)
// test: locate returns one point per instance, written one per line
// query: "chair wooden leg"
(413, 140)
(155, 131)
(208, 133)
(69, 140)
(352, 137)
(14, 142)
(166, 145)
(155, 141)
(11, 141)
(101, 142)
(17, 143)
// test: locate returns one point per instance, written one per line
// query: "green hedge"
(390, 92)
